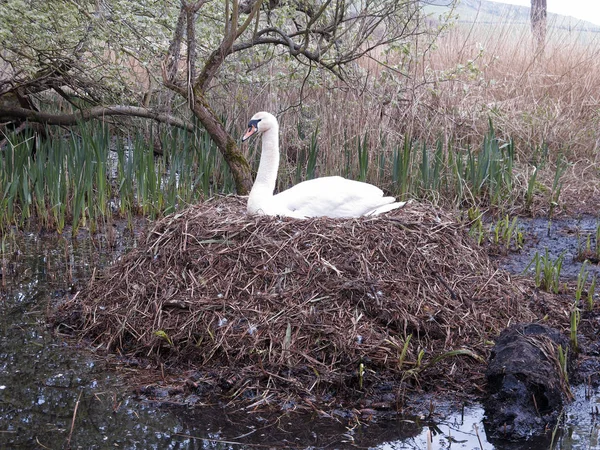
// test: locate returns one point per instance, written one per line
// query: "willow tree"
(80, 50)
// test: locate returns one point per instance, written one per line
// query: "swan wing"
(332, 197)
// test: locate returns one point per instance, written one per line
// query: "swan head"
(259, 123)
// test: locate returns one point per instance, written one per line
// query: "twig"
(40, 444)
(73, 420)
(477, 434)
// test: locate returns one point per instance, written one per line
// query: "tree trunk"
(194, 88)
(539, 12)
(239, 167)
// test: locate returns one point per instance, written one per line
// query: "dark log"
(526, 385)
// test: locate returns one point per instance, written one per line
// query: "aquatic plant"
(164, 336)
(490, 171)
(561, 167)
(313, 151)
(582, 277)
(403, 349)
(444, 172)
(361, 373)
(506, 232)
(575, 318)
(531, 183)
(420, 367)
(401, 168)
(546, 271)
(590, 294)
(91, 173)
(476, 229)
(563, 362)
(363, 157)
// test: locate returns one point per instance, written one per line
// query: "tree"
(202, 40)
(539, 12)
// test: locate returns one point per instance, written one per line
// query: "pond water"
(53, 395)
(565, 238)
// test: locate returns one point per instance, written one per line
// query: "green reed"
(531, 184)
(490, 171)
(575, 319)
(561, 168)
(590, 294)
(408, 168)
(313, 151)
(546, 271)
(454, 174)
(581, 280)
(401, 168)
(507, 233)
(363, 157)
(83, 177)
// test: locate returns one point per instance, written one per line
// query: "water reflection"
(55, 396)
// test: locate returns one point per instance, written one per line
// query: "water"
(561, 237)
(55, 395)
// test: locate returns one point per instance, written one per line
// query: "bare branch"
(215, 60)
(191, 50)
(12, 113)
(175, 48)
(325, 33)
(344, 37)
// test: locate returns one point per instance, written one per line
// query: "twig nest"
(308, 305)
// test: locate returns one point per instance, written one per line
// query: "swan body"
(320, 197)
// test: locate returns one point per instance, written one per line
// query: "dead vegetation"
(269, 308)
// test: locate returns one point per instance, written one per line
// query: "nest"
(312, 307)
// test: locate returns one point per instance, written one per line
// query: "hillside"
(482, 11)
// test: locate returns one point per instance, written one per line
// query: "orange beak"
(252, 129)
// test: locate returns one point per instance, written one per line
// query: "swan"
(320, 197)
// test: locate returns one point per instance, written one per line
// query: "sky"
(581, 9)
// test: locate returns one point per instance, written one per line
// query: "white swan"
(326, 196)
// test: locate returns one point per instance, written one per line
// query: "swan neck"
(266, 178)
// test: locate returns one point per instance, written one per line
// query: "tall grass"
(90, 174)
(87, 176)
(443, 172)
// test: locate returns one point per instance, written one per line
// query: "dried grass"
(473, 73)
(295, 306)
